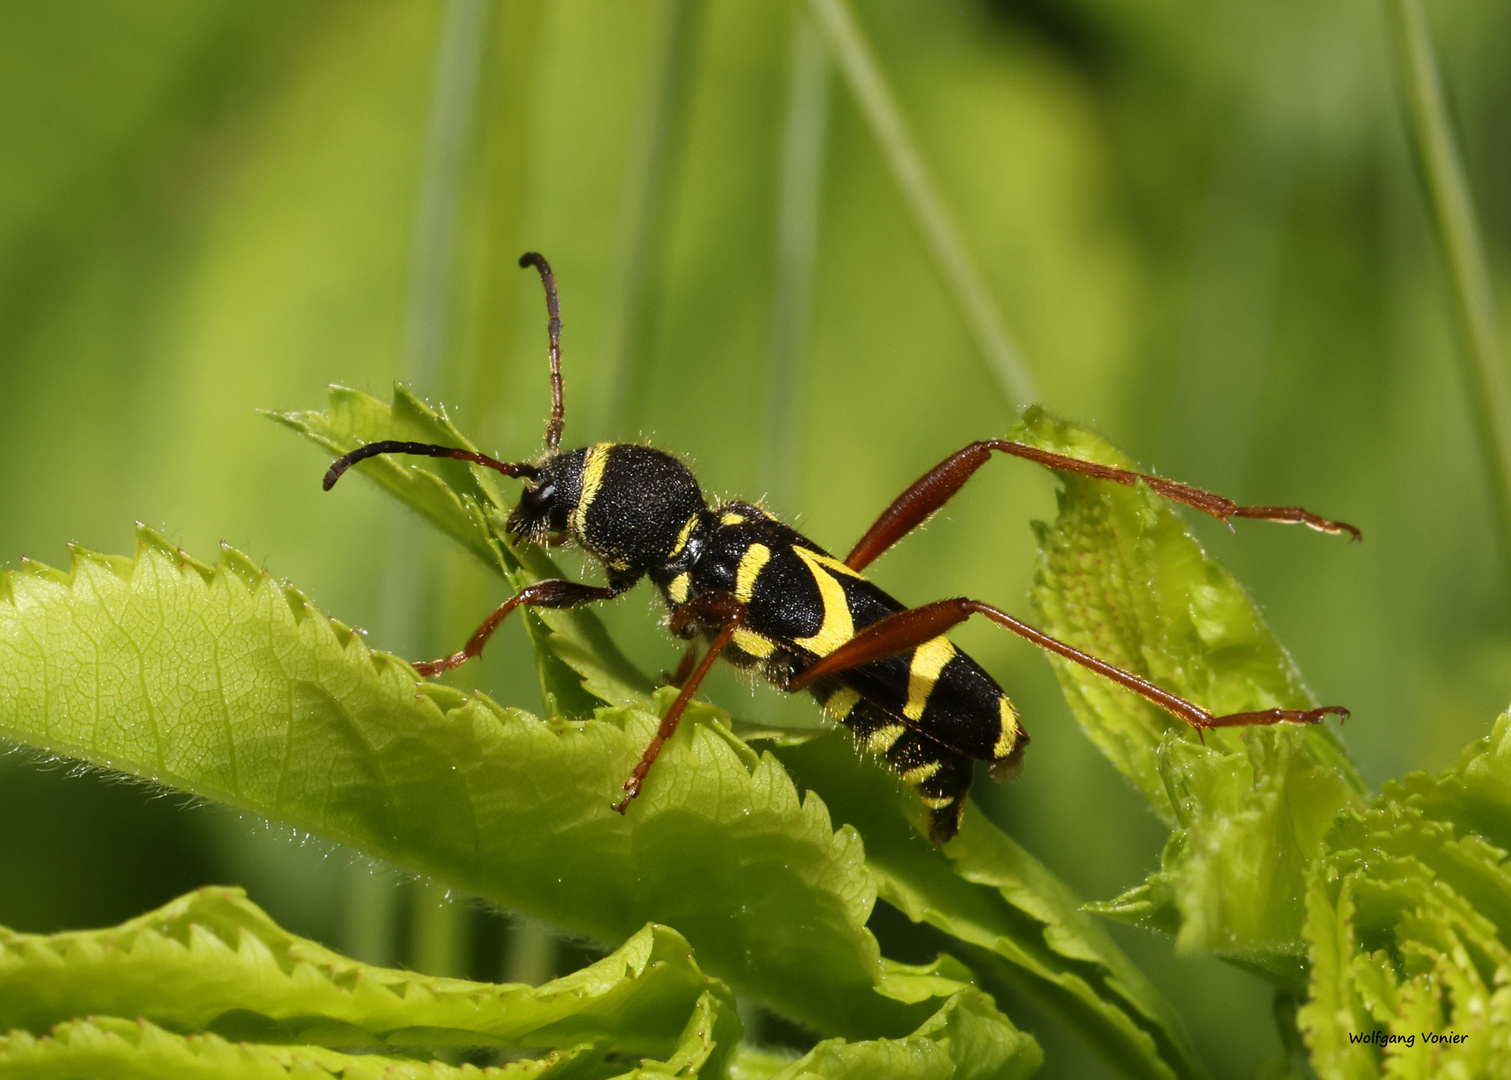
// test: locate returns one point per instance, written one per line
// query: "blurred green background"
(1200, 222)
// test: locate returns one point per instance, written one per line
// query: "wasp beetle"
(759, 594)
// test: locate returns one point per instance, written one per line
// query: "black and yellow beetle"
(766, 598)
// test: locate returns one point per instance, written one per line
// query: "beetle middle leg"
(708, 610)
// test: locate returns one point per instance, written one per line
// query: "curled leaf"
(1120, 577)
(1410, 920)
(213, 961)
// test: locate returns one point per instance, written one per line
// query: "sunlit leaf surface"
(219, 681)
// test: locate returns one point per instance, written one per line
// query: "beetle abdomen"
(928, 711)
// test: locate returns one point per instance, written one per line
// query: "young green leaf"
(1410, 920)
(140, 1050)
(1475, 796)
(965, 1040)
(447, 493)
(213, 961)
(986, 891)
(218, 989)
(1121, 578)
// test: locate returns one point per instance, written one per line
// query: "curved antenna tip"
(553, 330)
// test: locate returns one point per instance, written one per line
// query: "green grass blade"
(1451, 209)
(454, 95)
(967, 288)
(650, 186)
(800, 192)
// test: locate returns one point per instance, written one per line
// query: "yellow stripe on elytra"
(592, 479)
(730, 517)
(1009, 736)
(751, 564)
(818, 558)
(921, 773)
(928, 661)
(839, 703)
(882, 739)
(683, 536)
(838, 627)
(754, 644)
(678, 588)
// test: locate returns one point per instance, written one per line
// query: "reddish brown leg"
(552, 593)
(936, 487)
(712, 609)
(908, 629)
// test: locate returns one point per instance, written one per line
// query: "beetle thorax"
(625, 503)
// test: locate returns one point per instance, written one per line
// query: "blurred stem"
(406, 581)
(805, 134)
(531, 956)
(372, 905)
(1453, 220)
(441, 937)
(967, 288)
(447, 141)
(642, 224)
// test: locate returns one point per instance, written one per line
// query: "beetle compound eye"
(538, 500)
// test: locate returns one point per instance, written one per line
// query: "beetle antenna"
(362, 453)
(553, 308)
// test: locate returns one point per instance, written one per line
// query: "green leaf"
(1251, 822)
(1334, 1011)
(1472, 796)
(140, 1050)
(465, 503)
(219, 681)
(213, 961)
(1410, 922)
(995, 898)
(1120, 577)
(967, 1039)
(449, 494)
(218, 989)
(1033, 923)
